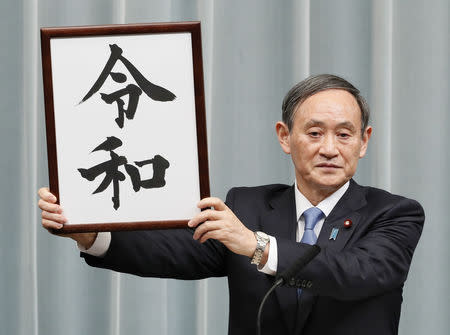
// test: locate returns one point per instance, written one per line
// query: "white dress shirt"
(103, 240)
(100, 245)
(301, 205)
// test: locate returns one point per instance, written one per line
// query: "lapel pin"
(347, 223)
(334, 234)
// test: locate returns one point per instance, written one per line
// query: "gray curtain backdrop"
(397, 52)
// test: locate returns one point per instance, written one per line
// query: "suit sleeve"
(163, 254)
(377, 262)
(169, 253)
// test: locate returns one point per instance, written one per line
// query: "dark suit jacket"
(354, 286)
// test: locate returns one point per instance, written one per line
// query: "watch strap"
(261, 242)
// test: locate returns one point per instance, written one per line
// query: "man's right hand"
(54, 219)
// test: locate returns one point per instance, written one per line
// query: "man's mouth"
(328, 165)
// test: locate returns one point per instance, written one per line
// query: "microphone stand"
(299, 264)
(278, 283)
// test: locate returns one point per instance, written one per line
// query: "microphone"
(286, 275)
(299, 264)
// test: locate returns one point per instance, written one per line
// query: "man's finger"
(53, 217)
(213, 234)
(49, 207)
(46, 195)
(208, 214)
(206, 227)
(212, 202)
(43, 190)
(48, 224)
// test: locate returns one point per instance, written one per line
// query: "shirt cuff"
(271, 265)
(100, 245)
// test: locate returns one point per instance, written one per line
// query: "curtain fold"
(396, 52)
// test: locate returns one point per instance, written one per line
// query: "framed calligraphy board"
(125, 122)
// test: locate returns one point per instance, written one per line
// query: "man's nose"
(328, 147)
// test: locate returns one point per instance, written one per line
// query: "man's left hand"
(221, 224)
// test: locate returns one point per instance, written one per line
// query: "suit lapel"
(345, 210)
(281, 222)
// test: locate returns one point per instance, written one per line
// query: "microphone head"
(300, 263)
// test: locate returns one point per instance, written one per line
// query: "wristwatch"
(261, 242)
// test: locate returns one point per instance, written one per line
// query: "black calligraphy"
(110, 170)
(133, 91)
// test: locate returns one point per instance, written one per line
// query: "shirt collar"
(326, 205)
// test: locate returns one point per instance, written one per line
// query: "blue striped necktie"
(312, 216)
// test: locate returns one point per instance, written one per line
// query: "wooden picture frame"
(121, 102)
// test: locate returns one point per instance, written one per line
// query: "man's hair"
(314, 84)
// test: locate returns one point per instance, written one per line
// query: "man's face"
(325, 141)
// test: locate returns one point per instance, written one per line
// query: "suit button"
(292, 282)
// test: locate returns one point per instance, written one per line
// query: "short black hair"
(317, 83)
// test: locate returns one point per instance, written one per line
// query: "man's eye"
(314, 134)
(344, 135)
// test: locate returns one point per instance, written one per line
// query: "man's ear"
(365, 141)
(283, 136)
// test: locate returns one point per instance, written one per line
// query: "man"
(367, 236)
